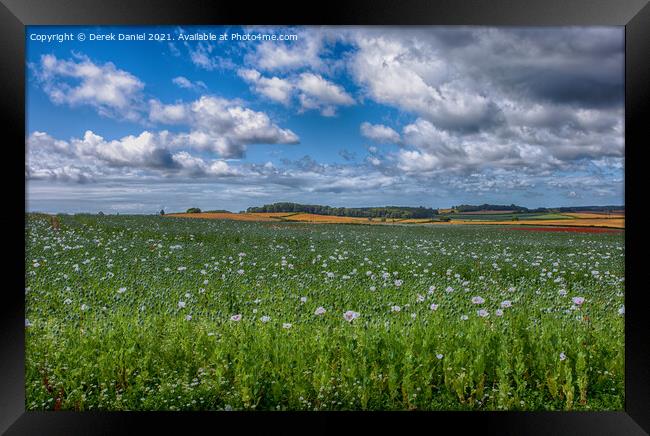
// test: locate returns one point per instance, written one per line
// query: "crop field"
(506, 216)
(544, 219)
(165, 313)
(618, 223)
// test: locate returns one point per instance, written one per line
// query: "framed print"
(367, 214)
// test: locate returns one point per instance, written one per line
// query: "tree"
(100, 213)
(162, 211)
(193, 210)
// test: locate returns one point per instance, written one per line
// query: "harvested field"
(313, 218)
(272, 214)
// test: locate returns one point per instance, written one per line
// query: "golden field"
(313, 218)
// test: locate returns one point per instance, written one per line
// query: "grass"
(134, 347)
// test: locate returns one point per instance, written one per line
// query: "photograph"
(324, 218)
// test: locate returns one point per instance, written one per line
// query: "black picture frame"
(16, 14)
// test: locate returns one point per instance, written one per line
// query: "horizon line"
(345, 207)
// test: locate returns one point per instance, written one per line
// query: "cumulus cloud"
(177, 113)
(273, 88)
(379, 133)
(92, 157)
(219, 125)
(319, 93)
(197, 166)
(79, 81)
(410, 74)
(537, 98)
(430, 149)
(313, 91)
(470, 80)
(144, 150)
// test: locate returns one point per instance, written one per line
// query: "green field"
(136, 313)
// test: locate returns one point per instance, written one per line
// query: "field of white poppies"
(159, 313)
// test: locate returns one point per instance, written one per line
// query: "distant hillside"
(363, 212)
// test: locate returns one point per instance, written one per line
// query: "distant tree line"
(363, 212)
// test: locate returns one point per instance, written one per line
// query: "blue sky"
(345, 116)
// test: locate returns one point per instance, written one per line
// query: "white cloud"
(407, 73)
(274, 88)
(380, 133)
(92, 157)
(321, 94)
(314, 92)
(424, 135)
(196, 166)
(112, 92)
(168, 113)
(374, 161)
(325, 91)
(66, 173)
(416, 161)
(202, 55)
(147, 150)
(431, 149)
(219, 125)
(144, 150)
(185, 83)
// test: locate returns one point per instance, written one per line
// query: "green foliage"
(193, 210)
